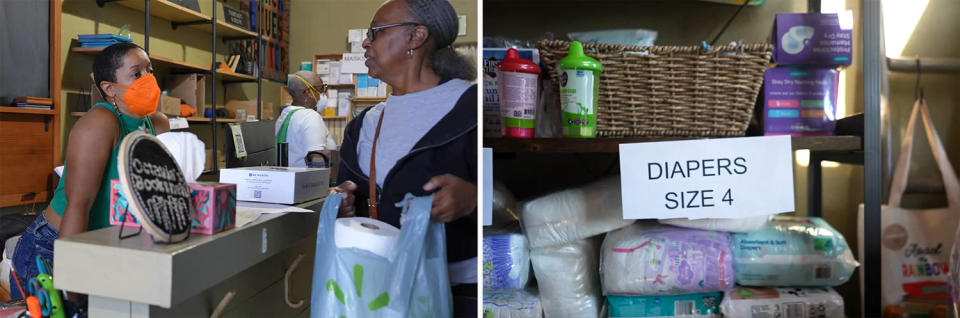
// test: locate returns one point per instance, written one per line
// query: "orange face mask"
(143, 96)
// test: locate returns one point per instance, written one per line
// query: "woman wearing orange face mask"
(82, 200)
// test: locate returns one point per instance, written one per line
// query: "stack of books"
(33, 102)
(101, 40)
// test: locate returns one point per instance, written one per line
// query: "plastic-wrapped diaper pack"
(655, 259)
(511, 304)
(793, 251)
(574, 214)
(506, 261)
(742, 225)
(699, 305)
(749, 302)
(567, 278)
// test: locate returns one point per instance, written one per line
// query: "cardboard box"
(282, 185)
(343, 103)
(170, 106)
(800, 102)
(250, 106)
(119, 206)
(216, 207)
(824, 39)
(190, 88)
(357, 47)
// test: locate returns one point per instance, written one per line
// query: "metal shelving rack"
(180, 16)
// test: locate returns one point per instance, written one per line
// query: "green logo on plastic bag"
(383, 300)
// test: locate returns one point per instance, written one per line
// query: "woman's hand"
(347, 209)
(455, 199)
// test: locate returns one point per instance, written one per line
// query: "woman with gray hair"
(423, 139)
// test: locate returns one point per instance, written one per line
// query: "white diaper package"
(517, 303)
(742, 225)
(574, 214)
(568, 278)
(793, 251)
(747, 302)
(506, 261)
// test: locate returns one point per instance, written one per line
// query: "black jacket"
(449, 147)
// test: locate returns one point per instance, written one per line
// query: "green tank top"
(100, 211)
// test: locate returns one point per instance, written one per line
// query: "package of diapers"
(747, 302)
(574, 214)
(742, 225)
(793, 251)
(699, 305)
(511, 304)
(567, 279)
(655, 259)
(506, 261)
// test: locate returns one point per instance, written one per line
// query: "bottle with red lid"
(517, 82)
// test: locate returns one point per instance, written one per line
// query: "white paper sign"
(238, 146)
(178, 123)
(462, 30)
(353, 63)
(487, 186)
(717, 178)
(355, 35)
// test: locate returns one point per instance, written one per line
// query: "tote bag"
(916, 243)
(350, 282)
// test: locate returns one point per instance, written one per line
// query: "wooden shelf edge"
(21, 110)
(334, 117)
(612, 145)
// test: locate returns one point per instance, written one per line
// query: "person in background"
(81, 202)
(423, 139)
(300, 124)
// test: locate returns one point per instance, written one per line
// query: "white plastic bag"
(574, 214)
(351, 282)
(655, 259)
(782, 302)
(506, 261)
(742, 225)
(568, 279)
(915, 242)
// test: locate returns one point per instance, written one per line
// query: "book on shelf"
(33, 100)
(31, 106)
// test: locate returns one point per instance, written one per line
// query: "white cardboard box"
(382, 89)
(357, 47)
(355, 35)
(278, 184)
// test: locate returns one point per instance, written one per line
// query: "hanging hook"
(917, 90)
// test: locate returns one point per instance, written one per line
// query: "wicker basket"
(664, 91)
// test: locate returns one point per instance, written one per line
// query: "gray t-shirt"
(407, 119)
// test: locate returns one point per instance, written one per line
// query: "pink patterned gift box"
(215, 204)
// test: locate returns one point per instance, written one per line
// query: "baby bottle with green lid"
(579, 92)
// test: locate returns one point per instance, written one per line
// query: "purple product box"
(824, 39)
(800, 101)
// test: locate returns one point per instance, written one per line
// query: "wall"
(320, 26)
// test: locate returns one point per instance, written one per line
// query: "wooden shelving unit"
(20, 110)
(578, 145)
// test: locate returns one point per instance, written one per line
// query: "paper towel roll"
(367, 234)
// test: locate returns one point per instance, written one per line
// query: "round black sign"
(155, 187)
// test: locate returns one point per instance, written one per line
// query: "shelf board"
(160, 61)
(173, 12)
(207, 120)
(339, 85)
(23, 110)
(334, 117)
(370, 99)
(575, 145)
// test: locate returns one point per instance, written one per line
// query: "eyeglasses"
(372, 32)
